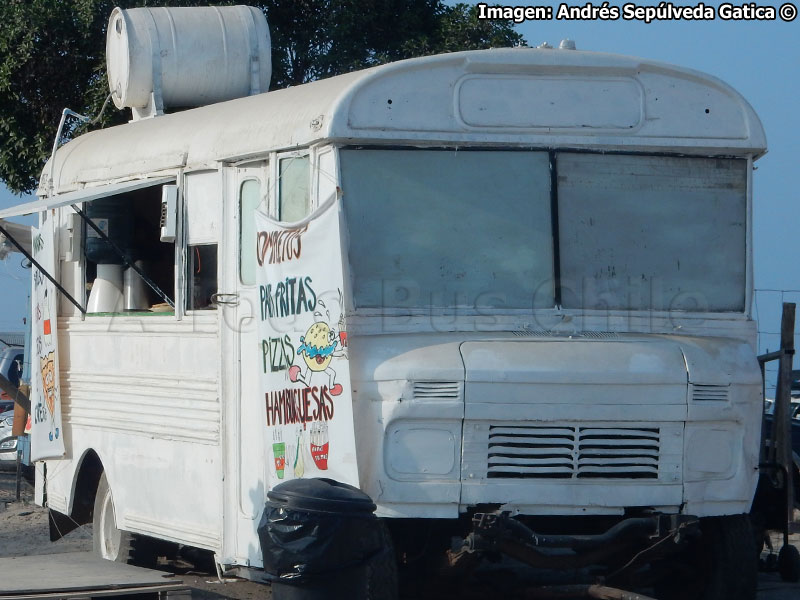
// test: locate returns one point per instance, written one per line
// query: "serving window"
(130, 227)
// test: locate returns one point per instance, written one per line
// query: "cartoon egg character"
(317, 346)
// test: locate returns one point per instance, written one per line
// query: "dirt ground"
(24, 531)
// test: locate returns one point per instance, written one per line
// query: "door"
(247, 188)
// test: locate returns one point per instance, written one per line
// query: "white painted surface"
(142, 392)
(426, 109)
(246, 444)
(203, 192)
(631, 391)
(527, 103)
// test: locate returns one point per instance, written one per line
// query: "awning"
(21, 233)
(82, 195)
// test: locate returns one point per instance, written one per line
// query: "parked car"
(769, 407)
(11, 361)
(8, 443)
(794, 411)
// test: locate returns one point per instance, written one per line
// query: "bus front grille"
(545, 451)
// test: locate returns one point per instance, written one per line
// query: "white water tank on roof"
(180, 57)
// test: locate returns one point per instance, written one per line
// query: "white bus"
(533, 268)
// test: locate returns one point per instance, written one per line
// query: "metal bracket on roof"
(153, 108)
(155, 103)
(255, 66)
(64, 114)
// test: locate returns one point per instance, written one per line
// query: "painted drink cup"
(279, 451)
(320, 455)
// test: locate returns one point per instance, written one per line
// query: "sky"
(760, 59)
(15, 281)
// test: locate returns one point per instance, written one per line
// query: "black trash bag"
(314, 527)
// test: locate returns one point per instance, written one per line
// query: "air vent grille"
(570, 452)
(597, 335)
(600, 335)
(705, 393)
(430, 390)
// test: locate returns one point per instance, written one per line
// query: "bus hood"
(581, 360)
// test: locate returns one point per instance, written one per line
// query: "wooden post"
(19, 474)
(782, 424)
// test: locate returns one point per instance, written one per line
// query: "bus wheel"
(722, 563)
(382, 571)
(789, 564)
(108, 542)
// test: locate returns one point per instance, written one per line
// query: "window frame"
(604, 317)
(745, 248)
(278, 186)
(535, 156)
(248, 177)
(79, 267)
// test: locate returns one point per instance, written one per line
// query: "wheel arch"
(81, 501)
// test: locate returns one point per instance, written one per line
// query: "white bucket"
(106, 293)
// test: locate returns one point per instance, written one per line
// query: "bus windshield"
(482, 230)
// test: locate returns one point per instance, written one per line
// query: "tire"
(789, 564)
(382, 583)
(723, 563)
(111, 543)
(733, 574)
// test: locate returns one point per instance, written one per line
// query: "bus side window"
(201, 267)
(249, 199)
(294, 198)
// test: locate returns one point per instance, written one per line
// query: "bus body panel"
(447, 400)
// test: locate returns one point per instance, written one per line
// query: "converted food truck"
(499, 291)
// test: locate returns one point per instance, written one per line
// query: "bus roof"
(520, 97)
